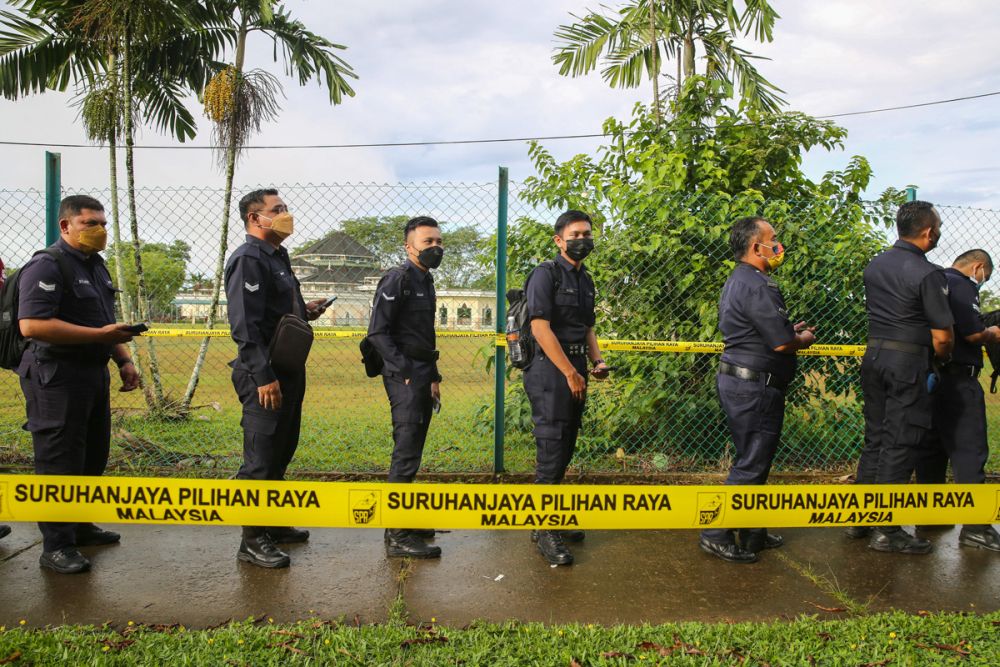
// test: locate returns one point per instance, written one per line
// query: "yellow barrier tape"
(501, 341)
(487, 506)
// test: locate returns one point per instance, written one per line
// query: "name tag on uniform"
(82, 281)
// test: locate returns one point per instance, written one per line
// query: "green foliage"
(664, 200)
(164, 267)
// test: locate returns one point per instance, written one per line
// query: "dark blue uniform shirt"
(570, 309)
(402, 323)
(754, 320)
(260, 289)
(88, 302)
(963, 298)
(906, 296)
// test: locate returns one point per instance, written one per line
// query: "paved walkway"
(167, 574)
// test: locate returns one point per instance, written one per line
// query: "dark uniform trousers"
(898, 413)
(69, 417)
(556, 415)
(269, 436)
(411, 407)
(755, 413)
(959, 433)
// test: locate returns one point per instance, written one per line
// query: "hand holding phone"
(137, 329)
(326, 304)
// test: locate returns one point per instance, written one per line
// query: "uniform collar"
(906, 245)
(73, 252)
(563, 262)
(416, 270)
(263, 245)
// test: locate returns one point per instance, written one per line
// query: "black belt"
(420, 353)
(898, 346)
(770, 379)
(965, 370)
(575, 349)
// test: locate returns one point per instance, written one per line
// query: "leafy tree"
(632, 42)
(664, 198)
(164, 266)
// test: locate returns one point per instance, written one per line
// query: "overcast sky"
(440, 69)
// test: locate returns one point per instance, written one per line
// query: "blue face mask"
(979, 283)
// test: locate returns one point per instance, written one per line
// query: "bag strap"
(64, 267)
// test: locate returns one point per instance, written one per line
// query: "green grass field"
(882, 639)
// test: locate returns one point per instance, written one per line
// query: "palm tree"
(631, 42)
(131, 65)
(239, 102)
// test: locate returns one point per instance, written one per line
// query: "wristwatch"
(597, 362)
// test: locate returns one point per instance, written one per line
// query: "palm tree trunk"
(689, 48)
(227, 200)
(655, 76)
(143, 305)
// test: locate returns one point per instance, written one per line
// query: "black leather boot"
(756, 543)
(729, 552)
(262, 552)
(980, 537)
(859, 532)
(287, 535)
(424, 533)
(4, 531)
(89, 535)
(402, 543)
(64, 561)
(567, 535)
(896, 540)
(553, 549)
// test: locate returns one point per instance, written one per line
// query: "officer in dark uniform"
(69, 323)
(959, 404)
(402, 330)
(4, 529)
(560, 295)
(758, 362)
(260, 289)
(909, 326)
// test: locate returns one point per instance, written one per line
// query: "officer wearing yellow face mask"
(757, 364)
(261, 289)
(66, 312)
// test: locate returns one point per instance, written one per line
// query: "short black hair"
(569, 217)
(419, 221)
(74, 204)
(744, 231)
(914, 217)
(251, 198)
(974, 255)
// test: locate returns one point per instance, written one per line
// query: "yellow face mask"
(282, 224)
(775, 260)
(93, 239)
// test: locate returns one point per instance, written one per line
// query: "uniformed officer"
(758, 362)
(402, 330)
(909, 326)
(560, 295)
(4, 529)
(959, 402)
(66, 311)
(260, 289)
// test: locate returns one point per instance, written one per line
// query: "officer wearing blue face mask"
(960, 404)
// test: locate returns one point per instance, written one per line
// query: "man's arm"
(767, 312)
(944, 342)
(934, 294)
(60, 332)
(246, 295)
(385, 308)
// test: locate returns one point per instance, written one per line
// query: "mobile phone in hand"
(326, 304)
(436, 405)
(137, 329)
(606, 369)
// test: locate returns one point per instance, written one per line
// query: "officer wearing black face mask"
(757, 364)
(402, 330)
(909, 327)
(560, 295)
(960, 405)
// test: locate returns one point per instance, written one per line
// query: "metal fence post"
(911, 193)
(53, 195)
(500, 357)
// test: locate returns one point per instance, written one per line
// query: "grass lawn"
(882, 639)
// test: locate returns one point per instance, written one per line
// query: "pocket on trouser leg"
(258, 423)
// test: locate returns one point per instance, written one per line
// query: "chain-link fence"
(655, 283)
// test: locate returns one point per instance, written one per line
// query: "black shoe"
(401, 543)
(4, 531)
(288, 535)
(262, 552)
(732, 553)
(552, 547)
(89, 535)
(424, 533)
(567, 535)
(898, 541)
(757, 544)
(980, 537)
(858, 532)
(64, 561)
(936, 528)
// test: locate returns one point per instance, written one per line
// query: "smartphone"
(137, 329)
(326, 304)
(606, 369)
(436, 405)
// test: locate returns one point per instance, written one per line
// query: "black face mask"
(431, 257)
(578, 249)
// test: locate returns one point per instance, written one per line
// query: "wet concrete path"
(168, 574)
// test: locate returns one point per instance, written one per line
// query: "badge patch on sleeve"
(48, 287)
(252, 288)
(387, 297)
